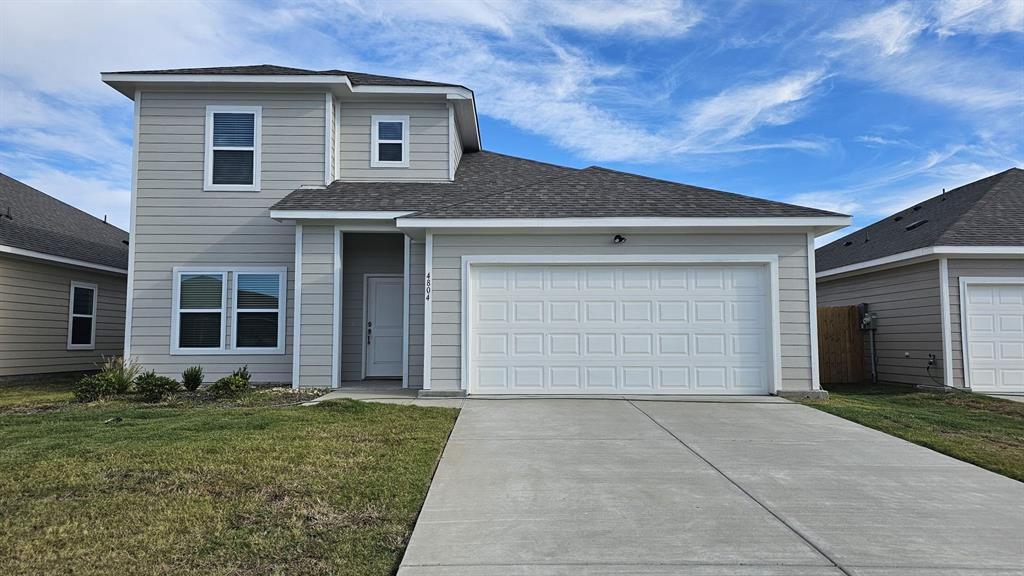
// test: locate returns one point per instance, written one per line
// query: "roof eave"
(819, 225)
(60, 260)
(919, 255)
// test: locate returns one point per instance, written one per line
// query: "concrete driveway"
(544, 487)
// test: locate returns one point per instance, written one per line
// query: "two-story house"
(325, 227)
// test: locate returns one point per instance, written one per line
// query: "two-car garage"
(638, 327)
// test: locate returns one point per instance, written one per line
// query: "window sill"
(225, 352)
(379, 164)
(230, 188)
(73, 347)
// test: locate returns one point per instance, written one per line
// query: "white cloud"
(736, 112)
(887, 32)
(982, 17)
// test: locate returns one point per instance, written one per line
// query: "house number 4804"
(427, 290)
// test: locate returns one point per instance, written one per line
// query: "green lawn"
(979, 429)
(247, 487)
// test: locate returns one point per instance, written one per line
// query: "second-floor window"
(232, 148)
(389, 141)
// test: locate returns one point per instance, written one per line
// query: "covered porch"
(358, 310)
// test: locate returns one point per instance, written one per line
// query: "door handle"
(369, 331)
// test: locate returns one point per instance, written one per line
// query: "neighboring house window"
(259, 311)
(82, 317)
(390, 141)
(201, 308)
(232, 148)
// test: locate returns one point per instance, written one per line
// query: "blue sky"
(860, 107)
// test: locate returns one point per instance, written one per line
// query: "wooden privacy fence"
(840, 345)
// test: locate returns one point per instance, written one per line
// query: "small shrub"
(95, 387)
(243, 373)
(192, 378)
(120, 373)
(153, 388)
(228, 386)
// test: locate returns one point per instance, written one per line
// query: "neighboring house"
(952, 261)
(62, 284)
(364, 207)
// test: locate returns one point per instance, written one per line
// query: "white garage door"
(995, 337)
(615, 329)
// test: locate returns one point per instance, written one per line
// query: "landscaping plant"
(229, 386)
(115, 378)
(153, 388)
(192, 378)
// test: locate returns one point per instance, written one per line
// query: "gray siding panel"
(179, 224)
(428, 140)
(417, 257)
(972, 267)
(34, 300)
(317, 318)
(363, 254)
(907, 302)
(446, 313)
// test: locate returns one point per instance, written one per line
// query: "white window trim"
(282, 292)
(176, 312)
(208, 184)
(71, 315)
(228, 273)
(375, 140)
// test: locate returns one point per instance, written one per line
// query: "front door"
(383, 329)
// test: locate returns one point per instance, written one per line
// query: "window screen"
(200, 310)
(257, 310)
(233, 148)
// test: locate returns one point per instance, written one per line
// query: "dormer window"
(389, 142)
(232, 161)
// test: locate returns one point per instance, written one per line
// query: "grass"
(191, 487)
(982, 430)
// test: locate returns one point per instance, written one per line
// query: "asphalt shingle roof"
(491, 185)
(357, 78)
(988, 212)
(44, 224)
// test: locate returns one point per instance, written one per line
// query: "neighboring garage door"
(995, 337)
(620, 329)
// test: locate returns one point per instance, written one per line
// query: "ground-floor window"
(202, 309)
(82, 316)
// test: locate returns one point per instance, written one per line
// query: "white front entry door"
(620, 329)
(383, 330)
(995, 337)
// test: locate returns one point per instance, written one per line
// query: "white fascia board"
(738, 222)
(60, 259)
(928, 253)
(337, 214)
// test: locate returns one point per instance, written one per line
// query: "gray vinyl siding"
(317, 320)
(428, 140)
(34, 300)
(1009, 268)
(456, 145)
(446, 283)
(908, 303)
(417, 254)
(363, 254)
(179, 224)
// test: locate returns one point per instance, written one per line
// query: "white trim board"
(339, 245)
(829, 222)
(62, 260)
(129, 302)
(428, 315)
(812, 309)
(297, 312)
(770, 260)
(965, 282)
(947, 328)
(337, 214)
(928, 253)
(406, 273)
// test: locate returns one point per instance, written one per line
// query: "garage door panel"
(596, 329)
(995, 336)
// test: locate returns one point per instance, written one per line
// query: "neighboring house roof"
(492, 185)
(41, 223)
(356, 78)
(988, 212)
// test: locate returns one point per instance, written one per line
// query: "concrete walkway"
(614, 487)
